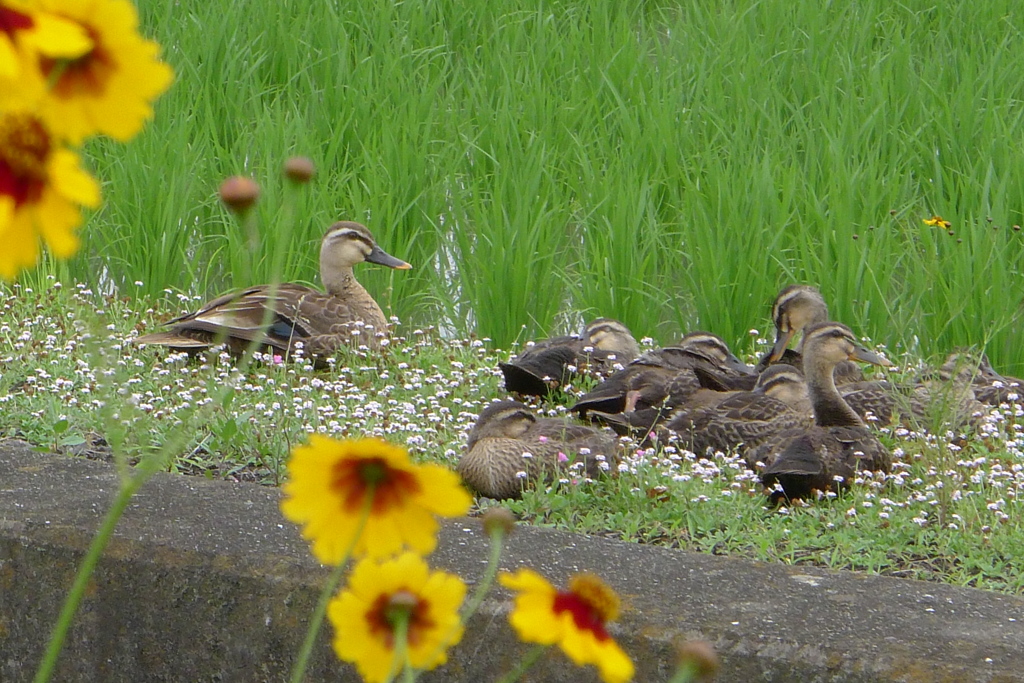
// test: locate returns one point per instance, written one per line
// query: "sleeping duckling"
(510, 448)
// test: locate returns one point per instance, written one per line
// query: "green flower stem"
(482, 588)
(131, 482)
(330, 588)
(130, 485)
(401, 657)
(528, 661)
(67, 614)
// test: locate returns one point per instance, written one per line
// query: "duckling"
(282, 317)
(947, 395)
(948, 399)
(795, 308)
(662, 377)
(989, 387)
(550, 364)
(826, 455)
(510, 448)
(780, 390)
(741, 420)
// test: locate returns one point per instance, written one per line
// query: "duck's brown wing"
(565, 442)
(822, 458)
(239, 316)
(875, 402)
(646, 382)
(600, 363)
(637, 424)
(993, 395)
(861, 450)
(740, 422)
(610, 395)
(800, 467)
(542, 367)
(719, 379)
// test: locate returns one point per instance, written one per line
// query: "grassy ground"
(69, 381)
(671, 164)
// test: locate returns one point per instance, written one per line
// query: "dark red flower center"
(584, 615)
(86, 75)
(12, 20)
(353, 480)
(24, 151)
(386, 611)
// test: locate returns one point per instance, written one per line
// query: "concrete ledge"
(206, 582)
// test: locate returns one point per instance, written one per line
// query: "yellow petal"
(56, 220)
(526, 580)
(9, 62)
(21, 245)
(72, 182)
(58, 37)
(443, 491)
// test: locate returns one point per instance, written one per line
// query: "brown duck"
(510, 448)
(280, 318)
(828, 454)
(989, 387)
(661, 378)
(796, 308)
(550, 364)
(741, 420)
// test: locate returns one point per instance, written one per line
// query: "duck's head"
(347, 243)
(611, 335)
(831, 343)
(783, 382)
(713, 348)
(796, 308)
(964, 366)
(503, 419)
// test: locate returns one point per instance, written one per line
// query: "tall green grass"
(669, 164)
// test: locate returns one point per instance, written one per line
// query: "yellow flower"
(329, 483)
(21, 26)
(938, 222)
(110, 88)
(42, 188)
(574, 619)
(364, 615)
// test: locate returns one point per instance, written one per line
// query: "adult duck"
(826, 455)
(283, 317)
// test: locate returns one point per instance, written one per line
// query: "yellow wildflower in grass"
(574, 619)
(23, 27)
(42, 190)
(110, 88)
(938, 222)
(365, 615)
(330, 481)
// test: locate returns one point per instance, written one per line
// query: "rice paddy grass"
(669, 164)
(71, 381)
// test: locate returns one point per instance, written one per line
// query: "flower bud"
(299, 169)
(699, 657)
(239, 193)
(498, 519)
(399, 606)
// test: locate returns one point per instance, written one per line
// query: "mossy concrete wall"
(205, 581)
